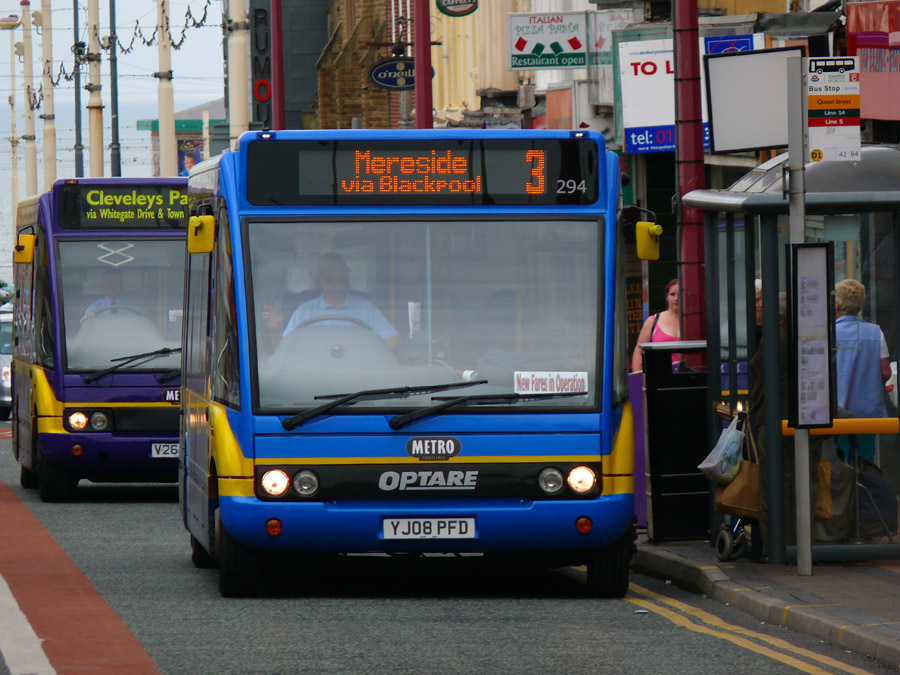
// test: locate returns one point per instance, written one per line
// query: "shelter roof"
(870, 184)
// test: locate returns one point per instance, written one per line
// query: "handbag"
(741, 496)
(724, 460)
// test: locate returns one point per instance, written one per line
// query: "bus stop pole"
(772, 374)
(796, 162)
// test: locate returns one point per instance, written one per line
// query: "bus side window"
(195, 322)
(43, 316)
(226, 379)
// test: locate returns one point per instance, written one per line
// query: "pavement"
(855, 606)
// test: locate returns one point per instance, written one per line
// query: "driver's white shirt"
(96, 306)
(354, 306)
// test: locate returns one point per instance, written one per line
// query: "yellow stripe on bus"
(618, 485)
(236, 487)
(501, 459)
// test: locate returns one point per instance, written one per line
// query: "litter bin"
(675, 441)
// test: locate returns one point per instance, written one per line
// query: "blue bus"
(99, 276)
(407, 342)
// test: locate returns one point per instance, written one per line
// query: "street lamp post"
(78, 50)
(30, 147)
(10, 23)
(168, 151)
(95, 101)
(115, 155)
(48, 116)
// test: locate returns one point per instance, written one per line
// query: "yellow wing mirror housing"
(23, 253)
(201, 234)
(647, 238)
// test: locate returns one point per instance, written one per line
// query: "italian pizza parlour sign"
(548, 40)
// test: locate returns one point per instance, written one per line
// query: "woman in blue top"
(863, 365)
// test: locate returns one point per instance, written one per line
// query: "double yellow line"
(705, 623)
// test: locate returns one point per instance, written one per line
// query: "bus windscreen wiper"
(128, 360)
(400, 421)
(344, 399)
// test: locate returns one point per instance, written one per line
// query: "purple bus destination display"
(85, 206)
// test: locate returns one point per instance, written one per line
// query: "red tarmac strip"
(80, 631)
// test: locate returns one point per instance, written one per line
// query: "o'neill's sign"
(457, 7)
(396, 73)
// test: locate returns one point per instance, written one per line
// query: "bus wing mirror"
(23, 252)
(201, 234)
(647, 237)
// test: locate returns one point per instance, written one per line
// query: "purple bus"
(96, 380)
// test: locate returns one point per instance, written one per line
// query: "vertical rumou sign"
(261, 63)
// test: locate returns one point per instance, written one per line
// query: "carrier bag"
(741, 496)
(724, 460)
(835, 500)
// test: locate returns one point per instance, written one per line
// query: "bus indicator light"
(584, 525)
(273, 527)
(77, 450)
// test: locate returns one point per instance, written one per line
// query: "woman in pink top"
(662, 327)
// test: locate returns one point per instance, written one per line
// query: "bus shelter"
(855, 205)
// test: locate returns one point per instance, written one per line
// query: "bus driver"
(111, 284)
(333, 276)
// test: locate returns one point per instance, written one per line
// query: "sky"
(197, 68)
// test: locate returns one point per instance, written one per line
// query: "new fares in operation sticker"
(550, 382)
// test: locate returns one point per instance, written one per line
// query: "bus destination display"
(83, 206)
(421, 172)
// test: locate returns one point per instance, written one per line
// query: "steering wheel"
(126, 308)
(334, 317)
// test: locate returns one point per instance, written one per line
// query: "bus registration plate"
(164, 450)
(429, 528)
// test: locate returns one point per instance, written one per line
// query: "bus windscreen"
(143, 207)
(440, 172)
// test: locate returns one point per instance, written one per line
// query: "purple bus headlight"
(99, 421)
(582, 480)
(275, 482)
(90, 420)
(78, 420)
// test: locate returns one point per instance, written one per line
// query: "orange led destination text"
(434, 172)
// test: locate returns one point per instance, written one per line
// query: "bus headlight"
(99, 421)
(551, 480)
(78, 420)
(275, 482)
(306, 483)
(582, 480)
